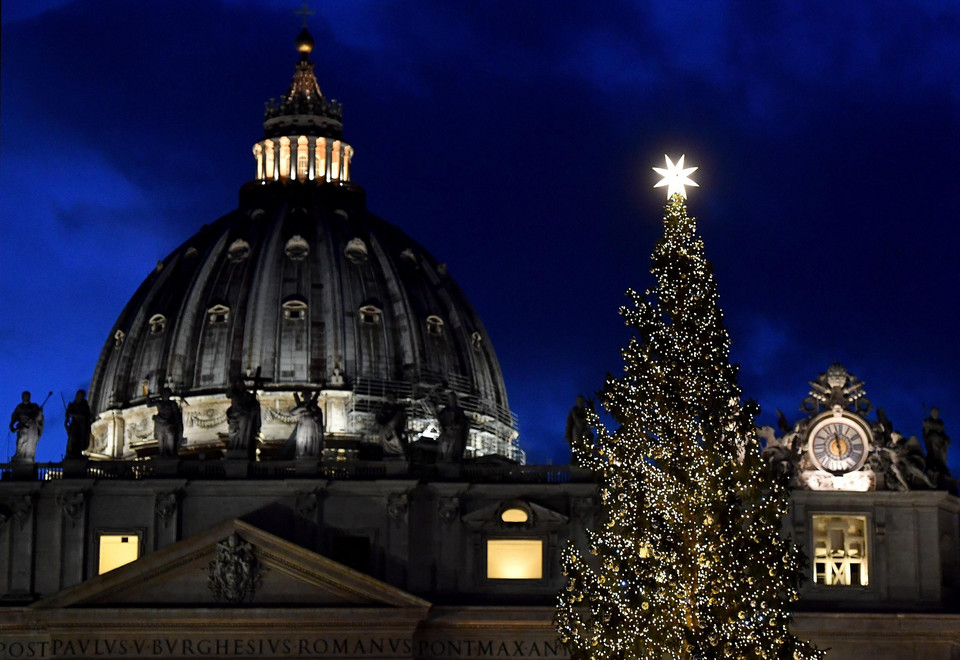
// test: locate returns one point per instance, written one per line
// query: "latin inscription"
(222, 647)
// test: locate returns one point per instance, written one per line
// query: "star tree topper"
(675, 176)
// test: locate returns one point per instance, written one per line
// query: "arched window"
(238, 251)
(157, 323)
(356, 251)
(434, 325)
(297, 248)
(218, 314)
(294, 309)
(370, 315)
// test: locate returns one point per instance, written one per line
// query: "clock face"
(838, 445)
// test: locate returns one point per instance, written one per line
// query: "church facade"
(300, 446)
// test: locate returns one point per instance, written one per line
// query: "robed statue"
(453, 431)
(167, 423)
(937, 442)
(243, 419)
(77, 420)
(577, 433)
(27, 422)
(392, 427)
(308, 438)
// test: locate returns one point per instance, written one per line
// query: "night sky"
(514, 140)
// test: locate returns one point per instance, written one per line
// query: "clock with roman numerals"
(838, 442)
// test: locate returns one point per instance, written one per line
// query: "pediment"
(213, 568)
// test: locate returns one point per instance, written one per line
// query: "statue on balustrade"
(937, 442)
(578, 434)
(243, 419)
(454, 429)
(308, 438)
(392, 427)
(27, 422)
(167, 423)
(77, 421)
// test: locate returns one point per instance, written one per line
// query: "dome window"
(408, 256)
(191, 253)
(118, 338)
(218, 314)
(297, 248)
(371, 315)
(294, 309)
(434, 325)
(157, 323)
(238, 251)
(476, 340)
(356, 251)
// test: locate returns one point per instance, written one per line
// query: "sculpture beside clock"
(836, 447)
(830, 448)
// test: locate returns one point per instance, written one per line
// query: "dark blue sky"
(514, 140)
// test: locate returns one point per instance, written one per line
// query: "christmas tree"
(686, 560)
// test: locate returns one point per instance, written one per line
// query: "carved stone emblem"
(448, 508)
(166, 506)
(71, 503)
(22, 508)
(837, 387)
(306, 504)
(235, 573)
(397, 505)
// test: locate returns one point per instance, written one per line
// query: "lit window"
(268, 160)
(514, 559)
(840, 550)
(370, 315)
(435, 325)
(219, 314)
(117, 550)
(335, 160)
(258, 154)
(303, 158)
(514, 515)
(284, 157)
(320, 164)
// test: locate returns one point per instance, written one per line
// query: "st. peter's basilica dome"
(300, 288)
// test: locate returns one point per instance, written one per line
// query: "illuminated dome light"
(302, 134)
(675, 177)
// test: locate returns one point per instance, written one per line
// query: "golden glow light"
(675, 177)
(514, 559)
(117, 550)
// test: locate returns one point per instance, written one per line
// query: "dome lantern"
(303, 133)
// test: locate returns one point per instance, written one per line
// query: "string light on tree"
(675, 177)
(686, 559)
